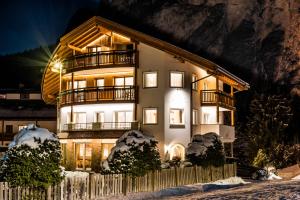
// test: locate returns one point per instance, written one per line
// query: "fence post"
(223, 171)
(49, 193)
(235, 168)
(196, 174)
(124, 185)
(91, 188)
(152, 180)
(176, 176)
(211, 173)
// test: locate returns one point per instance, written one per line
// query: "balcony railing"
(98, 126)
(98, 94)
(97, 59)
(214, 97)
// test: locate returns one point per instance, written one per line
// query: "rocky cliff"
(255, 39)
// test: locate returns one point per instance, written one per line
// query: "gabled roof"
(97, 26)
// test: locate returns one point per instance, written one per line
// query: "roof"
(95, 27)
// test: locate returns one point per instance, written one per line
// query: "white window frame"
(145, 81)
(144, 116)
(182, 117)
(182, 81)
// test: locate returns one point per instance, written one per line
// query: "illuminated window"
(194, 85)
(150, 116)
(76, 84)
(195, 117)
(83, 153)
(100, 82)
(150, 79)
(124, 81)
(106, 149)
(205, 85)
(99, 117)
(79, 120)
(123, 119)
(176, 116)
(176, 79)
(205, 118)
(20, 127)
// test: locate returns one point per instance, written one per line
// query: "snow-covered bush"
(206, 150)
(134, 154)
(32, 159)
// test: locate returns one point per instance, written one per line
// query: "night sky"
(27, 24)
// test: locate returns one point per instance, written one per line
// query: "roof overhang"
(97, 26)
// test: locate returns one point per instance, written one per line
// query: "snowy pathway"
(268, 190)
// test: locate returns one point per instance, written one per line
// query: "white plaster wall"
(90, 110)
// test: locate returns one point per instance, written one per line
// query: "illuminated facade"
(107, 78)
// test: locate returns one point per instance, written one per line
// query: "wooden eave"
(97, 26)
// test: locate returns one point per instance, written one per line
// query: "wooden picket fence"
(97, 186)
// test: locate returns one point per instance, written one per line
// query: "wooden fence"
(97, 186)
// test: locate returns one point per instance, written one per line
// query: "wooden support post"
(232, 111)
(217, 99)
(72, 89)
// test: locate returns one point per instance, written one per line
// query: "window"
(176, 116)
(100, 82)
(83, 156)
(150, 79)
(78, 117)
(106, 149)
(9, 128)
(205, 118)
(76, 84)
(176, 79)
(150, 116)
(123, 81)
(21, 127)
(99, 117)
(194, 85)
(195, 117)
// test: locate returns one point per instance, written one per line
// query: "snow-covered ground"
(183, 190)
(265, 190)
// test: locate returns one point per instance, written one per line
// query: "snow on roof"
(30, 134)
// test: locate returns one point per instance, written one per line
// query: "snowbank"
(29, 136)
(273, 176)
(182, 190)
(296, 177)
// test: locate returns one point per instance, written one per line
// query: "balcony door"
(123, 119)
(123, 87)
(79, 87)
(79, 120)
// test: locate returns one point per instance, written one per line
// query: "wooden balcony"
(97, 130)
(114, 58)
(107, 94)
(213, 98)
(100, 126)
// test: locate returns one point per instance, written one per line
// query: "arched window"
(177, 150)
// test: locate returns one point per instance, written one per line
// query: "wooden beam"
(75, 48)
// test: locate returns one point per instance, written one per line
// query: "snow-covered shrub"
(32, 159)
(134, 154)
(206, 150)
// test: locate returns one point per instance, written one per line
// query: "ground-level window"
(176, 79)
(149, 79)
(176, 116)
(177, 151)
(83, 156)
(20, 127)
(106, 149)
(150, 116)
(63, 147)
(195, 117)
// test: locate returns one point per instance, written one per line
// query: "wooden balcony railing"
(98, 126)
(98, 94)
(213, 97)
(98, 59)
